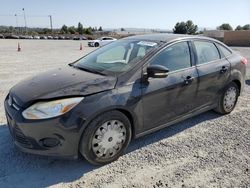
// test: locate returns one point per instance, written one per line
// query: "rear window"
(224, 51)
(206, 52)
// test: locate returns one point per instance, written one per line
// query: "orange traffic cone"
(18, 48)
(81, 46)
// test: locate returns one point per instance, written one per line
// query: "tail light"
(244, 61)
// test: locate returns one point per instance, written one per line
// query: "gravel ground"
(205, 151)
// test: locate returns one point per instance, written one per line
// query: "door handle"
(188, 80)
(223, 69)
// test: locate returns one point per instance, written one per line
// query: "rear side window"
(224, 51)
(206, 52)
(175, 57)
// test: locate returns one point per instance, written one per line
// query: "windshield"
(116, 57)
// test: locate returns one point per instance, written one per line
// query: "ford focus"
(121, 91)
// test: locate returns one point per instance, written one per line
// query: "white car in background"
(101, 41)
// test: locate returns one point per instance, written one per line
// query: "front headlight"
(44, 110)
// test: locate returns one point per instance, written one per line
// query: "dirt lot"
(206, 151)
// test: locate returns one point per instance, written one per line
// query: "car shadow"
(171, 130)
(17, 167)
(248, 82)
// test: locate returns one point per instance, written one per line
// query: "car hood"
(60, 82)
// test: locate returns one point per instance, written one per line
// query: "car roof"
(164, 37)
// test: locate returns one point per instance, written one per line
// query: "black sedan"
(124, 90)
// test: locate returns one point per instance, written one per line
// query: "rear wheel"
(106, 138)
(96, 44)
(228, 99)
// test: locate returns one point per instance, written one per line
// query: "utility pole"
(24, 16)
(50, 18)
(17, 23)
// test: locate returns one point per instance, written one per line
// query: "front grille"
(21, 138)
(17, 134)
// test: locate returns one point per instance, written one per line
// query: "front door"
(165, 99)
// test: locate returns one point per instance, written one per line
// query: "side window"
(225, 52)
(174, 57)
(206, 51)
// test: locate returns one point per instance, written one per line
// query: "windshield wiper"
(88, 70)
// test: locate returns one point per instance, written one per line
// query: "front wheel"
(228, 99)
(106, 138)
(96, 44)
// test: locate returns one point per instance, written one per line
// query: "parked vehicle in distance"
(49, 37)
(123, 90)
(1, 36)
(101, 41)
(22, 37)
(55, 37)
(79, 38)
(36, 37)
(61, 37)
(12, 37)
(29, 37)
(43, 37)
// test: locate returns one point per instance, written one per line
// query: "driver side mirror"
(157, 71)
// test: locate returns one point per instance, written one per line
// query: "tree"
(180, 28)
(185, 28)
(246, 27)
(80, 28)
(64, 29)
(225, 26)
(11, 29)
(88, 31)
(100, 28)
(191, 28)
(33, 33)
(238, 28)
(122, 29)
(72, 30)
(46, 31)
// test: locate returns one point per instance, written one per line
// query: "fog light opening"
(49, 142)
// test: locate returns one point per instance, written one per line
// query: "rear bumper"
(52, 137)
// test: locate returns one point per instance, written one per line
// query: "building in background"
(231, 38)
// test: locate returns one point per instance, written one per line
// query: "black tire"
(85, 147)
(96, 44)
(221, 103)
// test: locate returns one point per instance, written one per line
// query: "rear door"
(164, 99)
(213, 70)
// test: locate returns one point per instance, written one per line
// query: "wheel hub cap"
(230, 98)
(108, 139)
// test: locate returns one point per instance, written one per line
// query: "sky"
(152, 14)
